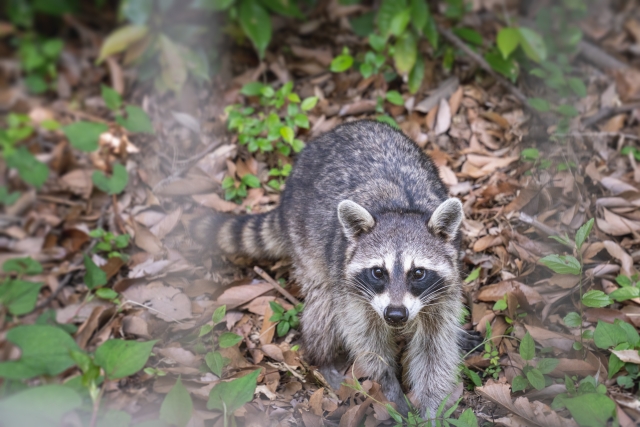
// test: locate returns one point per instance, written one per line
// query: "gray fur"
(364, 195)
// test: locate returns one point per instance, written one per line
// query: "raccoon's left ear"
(446, 219)
(354, 218)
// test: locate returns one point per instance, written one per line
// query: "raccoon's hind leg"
(256, 236)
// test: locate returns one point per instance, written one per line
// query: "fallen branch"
(293, 300)
(607, 112)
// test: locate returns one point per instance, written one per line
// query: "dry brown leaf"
(238, 295)
(315, 401)
(165, 302)
(181, 356)
(443, 118)
(146, 240)
(532, 413)
(164, 227)
(628, 356)
(78, 182)
(478, 166)
(498, 290)
(213, 201)
(486, 242)
(620, 254)
(455, 101)
(273, 351)
(550, 339)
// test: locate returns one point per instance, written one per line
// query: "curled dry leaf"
(498, 290)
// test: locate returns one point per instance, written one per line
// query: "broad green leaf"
(399, 22)
(632, 334)
(577, 86)
(363, 25)
(431, 31)
(231, 395)
(530, 154)
(501, 304)
(301, 120)
(111, 98)
(251, 180)
(532, 44)
(284, 7)
(623, 281)
(572, 320)
(405, 53)
(507, 40)
(114, 418)
(215, 362)
(218, 315)
(608, 335)
(377, 42)
(28, 266)
(615, 364)
(387, 11)
(507, 67)
(591, 409)
(527, 347)
(583, 232)
(475, 273)
(7, 198)
(539, 104)
(475, 378)
(95, 275)
(228, 339)
(287, 134)
(624, 294)
(114, 184)
(282, 328)
(121, 39)
(252, 89)
(31, 170)
(256, 24)
(177, 406)
(341, 63)
(45, 351)
(120, 358)
(567, 110)
(469, 35)
(106, 293)
(536, 379)
(309, 103)
(416, 75)
(136, 121)
(19, 296)
(419, 14)
(394, 97)
(39, 406)
(85, 135)
(546, 366)
(562, 264)
(596, 299)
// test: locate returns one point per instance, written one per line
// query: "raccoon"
(374, 241)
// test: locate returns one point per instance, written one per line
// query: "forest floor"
(518, 185)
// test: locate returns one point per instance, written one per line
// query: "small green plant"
(619, 336)
(214, 359)
(229, 396)
(533, 376)
(442, 418)
(237, 190)
(19, 296)
(110, 243)
(286, 319)
(491, 353)
(279, 174)
(630, 149)
(39, 59)
(19, 129)
(588, 403)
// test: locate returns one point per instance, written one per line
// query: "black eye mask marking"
(430, 282)
(368, 278)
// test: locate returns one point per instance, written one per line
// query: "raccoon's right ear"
(354, 218)
(446, 219)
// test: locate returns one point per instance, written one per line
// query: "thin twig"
(276, 285)
(607, 112)
(74, 267)
(537, 224)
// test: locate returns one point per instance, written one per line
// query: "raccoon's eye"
(377, 272)
(419, 273)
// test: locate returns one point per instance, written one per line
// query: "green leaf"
(539, 104)
(228, 339)
(567, 110)
(19, 296)
(608, 335)
(474, 377)
(251, 180)
(562, 264)
(632, 334)
(419, 14)
(399, 22)
(120, 358)
(572, 320)
(121, 39)
(136, 121)
(309, 103)
(416, 76)
(469, 35)
(301, 120)
(394, 97)
(591, 409)
(95, 275)
(530, 154)
(624, 294)
(229, 396)
(536, 379)
(475, 273)
(215, 362)
(506, 67)
(377, 42)
(7, 198)
(28, 266)
(282, 328)
(256, 24)
(111, 98)
(596, 299)
(527, 347)
(577, 86)
(547, 366)
(501, 304)
(114, 418)
(341, 63)
(39, 406)
(583, 232)
(387, 11)
(431, 30)
(623, 281)
(106, 293)
(45, 351)
(284, 7)
(115, 184)
(405, 53)
(532, 44)
(177, 406)
(252, 89)
(363, 25)
(218, 315)
(508, 40)
(466, 419)
(615, 364)
(84, 135)
(287, 134)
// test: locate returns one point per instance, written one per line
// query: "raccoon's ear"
(446, 219)
(354, 218)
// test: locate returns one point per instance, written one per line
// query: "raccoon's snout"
(396, 315)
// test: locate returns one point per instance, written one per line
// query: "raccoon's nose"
(396, 314)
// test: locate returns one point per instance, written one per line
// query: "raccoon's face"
(399, 263)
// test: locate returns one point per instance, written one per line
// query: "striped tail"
(254, 236)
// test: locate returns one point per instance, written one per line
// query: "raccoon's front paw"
(332, 376)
